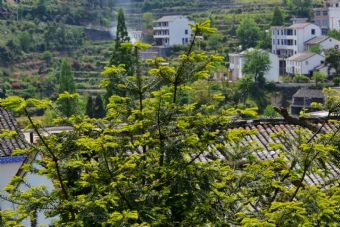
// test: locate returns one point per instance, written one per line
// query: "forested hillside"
(35, 35)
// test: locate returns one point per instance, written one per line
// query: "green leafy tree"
(318, 77)
(120, 55)
(148, 19)
(67, 85)
(278, 18)
(98, 107)
(257, 64)
(248, 32)
(334, 33)
(315, 49)
(25, 41)
(301, 8)
(333, 61)
(153, 161)
(89, 106)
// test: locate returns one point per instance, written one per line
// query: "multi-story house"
(328, 17)
(287, 41)
(172, 30)
(290, 40)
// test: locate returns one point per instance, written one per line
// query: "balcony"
(161, 36)
(161, 28)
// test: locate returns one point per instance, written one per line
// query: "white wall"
(274, 71)
(305, 34)
(329, 44)
(299, 37)
(304, 67)
(334, 18)
(177, 31)
(7, 171)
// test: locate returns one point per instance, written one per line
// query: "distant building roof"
(301, 56)
(317, 40)
(168, 18)
(300, 25)
(8, 122)
(310, 93)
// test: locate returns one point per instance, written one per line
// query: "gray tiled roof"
(8, 122)
(310, 93)
(317, 40)
(301, 56)
(262, 136)
(299, 25)
(168, 18)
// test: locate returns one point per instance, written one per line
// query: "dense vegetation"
(146, 163)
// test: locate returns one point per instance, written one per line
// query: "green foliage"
(248, 32)
(148, 19)
(333, 61)
(315, 49)
(334, 33)
(68, 104)
(98, 107)
(89, 106)
(257, 64)
(47, 56)
(301, 8)
(25, 41)
(299, 78)
(120, 56)
(155, 161)
(318, 77)
(270, 112)
(278, 18)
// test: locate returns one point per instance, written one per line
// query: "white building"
(334, 16)
(328, 17)
(237, 62)
(172, 30)
(287, 41)
(325, 43)
(304, 63)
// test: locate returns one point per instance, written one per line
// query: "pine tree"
(68, 106)
(120, 55)
(89, 107)
(278, 18)
(98, 108)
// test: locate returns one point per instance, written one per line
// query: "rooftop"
(299, 25)
(317, 40)
(168, 18)
(301, 56)
(259, 135)
(8, 122)
(311, 93)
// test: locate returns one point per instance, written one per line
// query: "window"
(313, 31)
(186, 31)
(317, 13)
(186, 40)
(307, 62)
(325, 13)
(294, 32)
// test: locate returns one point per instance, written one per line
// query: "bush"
(301, 78)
